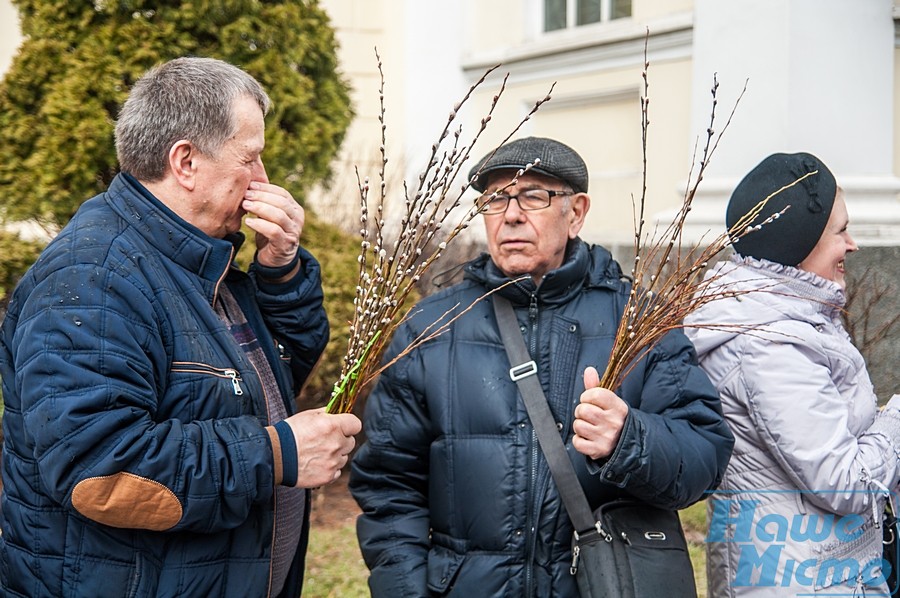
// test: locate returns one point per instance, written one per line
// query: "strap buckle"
(524, 370)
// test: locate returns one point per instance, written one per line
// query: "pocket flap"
(443, 565)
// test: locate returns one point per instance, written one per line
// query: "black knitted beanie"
(793, 235)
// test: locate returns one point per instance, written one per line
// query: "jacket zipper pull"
(575, 552)
(533, 307)
(235, 382)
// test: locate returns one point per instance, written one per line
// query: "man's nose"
(513, 212)
(259, 172)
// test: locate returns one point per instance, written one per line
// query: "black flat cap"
(790, 238)
(557, 160)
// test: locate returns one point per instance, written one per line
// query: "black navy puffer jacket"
(457, 498)
(135, 457)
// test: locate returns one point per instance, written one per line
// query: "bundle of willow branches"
(391, 265)
(669, 283)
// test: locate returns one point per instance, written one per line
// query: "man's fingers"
(289, 220)
(277, 221)
(270, 201)
(600, 397)
(270, 189)
(264, 227)
(349, 424)
(276, 209)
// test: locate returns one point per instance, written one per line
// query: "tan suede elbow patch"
(127, 501)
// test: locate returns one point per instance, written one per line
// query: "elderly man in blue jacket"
(151, 442)
(457, 498)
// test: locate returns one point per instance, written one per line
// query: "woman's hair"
(187, 98)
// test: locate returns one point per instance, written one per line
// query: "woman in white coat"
(799, 510)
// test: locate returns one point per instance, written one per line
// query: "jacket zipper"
(194, 367)
(222, 278)
(535, 454)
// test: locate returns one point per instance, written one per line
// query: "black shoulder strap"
(524, 373)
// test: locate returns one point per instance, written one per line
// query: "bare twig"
(867, 330)
(388, 271)
(669, 284)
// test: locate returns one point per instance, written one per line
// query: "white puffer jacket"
(796, 511)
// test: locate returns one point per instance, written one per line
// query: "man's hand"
(277, 220)
(324, 443)
(598, 419)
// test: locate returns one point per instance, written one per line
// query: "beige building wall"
(10, 38)
(595, 105)
(823, 85)
(361, 27)
(419, 80)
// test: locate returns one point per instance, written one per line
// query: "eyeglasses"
(530, 200)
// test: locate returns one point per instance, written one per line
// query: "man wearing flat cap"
(456, 494)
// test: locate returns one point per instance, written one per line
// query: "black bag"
(635, 551)
(625, 549)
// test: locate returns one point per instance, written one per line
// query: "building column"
(820, 79)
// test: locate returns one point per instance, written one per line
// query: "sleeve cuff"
(278, 272)
(612, 469)
(887, 423)
(284, 449)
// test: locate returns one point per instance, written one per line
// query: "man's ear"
(183, 163)
(581, 203)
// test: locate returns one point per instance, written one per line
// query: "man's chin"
(514, 270)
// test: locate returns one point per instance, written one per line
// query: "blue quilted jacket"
(135, 460)
(457, 498)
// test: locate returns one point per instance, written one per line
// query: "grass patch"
(334, 564)
(693, 520)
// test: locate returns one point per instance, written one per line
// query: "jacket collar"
(791, 283)
(174, 237)
(827, 295)
(584, 266)
(768, 293)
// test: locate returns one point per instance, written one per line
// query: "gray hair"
(186, 98)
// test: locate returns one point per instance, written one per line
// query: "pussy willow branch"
(645, 124)
(662, 297)
(439, 327)
(389, 270)
(665, 290)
